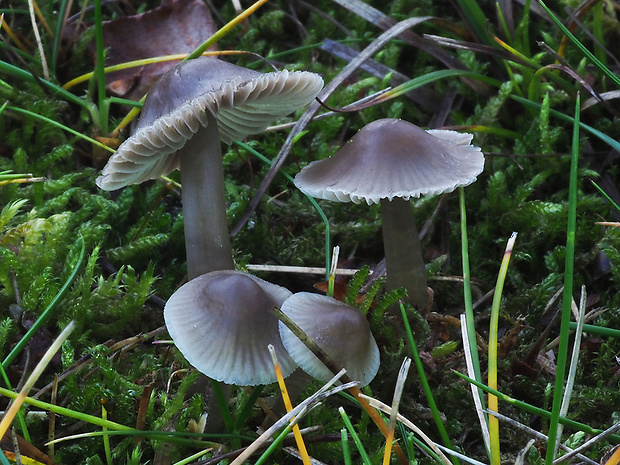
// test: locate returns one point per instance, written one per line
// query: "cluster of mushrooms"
(220, 319)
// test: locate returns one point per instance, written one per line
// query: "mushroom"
(390, 161)
(221, 323)
(186, 114)
(340, 330)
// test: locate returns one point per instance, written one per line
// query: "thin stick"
(300, 269)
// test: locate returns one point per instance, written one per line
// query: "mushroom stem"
(403, 252)
(207, 242)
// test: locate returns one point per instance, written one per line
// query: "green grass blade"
(469, 309)
(356, 438)
(106, 438)
(346, 452)
(604, 194)
(425, 385)
(476, 19)
(61, 126)
(614, 144)
(69, 413)
(60, 16)
(275, 444)
(598, 330)
(588, 54)
(568, 292)
(246, 410)
(224, 30)
(99, 70)
(56, 90)
(535, 410)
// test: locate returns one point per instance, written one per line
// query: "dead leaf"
(177, 26)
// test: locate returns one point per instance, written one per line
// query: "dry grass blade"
(398, 392)
(570, 380)
(384, 22)
(46, 72)
(296, 413)
(484, 424)
(424, 97)
(409, 424)
(586, 445)
(474, 47)
(520, 460)
(287, 402)
(364, 55)
(36, 373)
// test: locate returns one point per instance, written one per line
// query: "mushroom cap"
(339, 329)
(243, 101)
(393, 158)
(221, 323)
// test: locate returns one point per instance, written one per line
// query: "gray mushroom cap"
(221, 323)
(339, 329)
(243, 101)
(393, 158)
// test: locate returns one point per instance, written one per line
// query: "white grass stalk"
(46, 72)
(572, 371)
(476, 393)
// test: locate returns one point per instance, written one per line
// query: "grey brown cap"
(243, 101)
(393, 158)
(339, 329)
(221, 323)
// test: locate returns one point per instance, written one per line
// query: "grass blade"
(493, 340)
(34, 376)
(568, 292)
(587, 53)
(424, 381)
(356, 438)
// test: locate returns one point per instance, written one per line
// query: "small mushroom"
(186, 114)
(390, 161)
(339, 329)
(221, 323)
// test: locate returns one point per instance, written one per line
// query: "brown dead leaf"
(177, 26)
